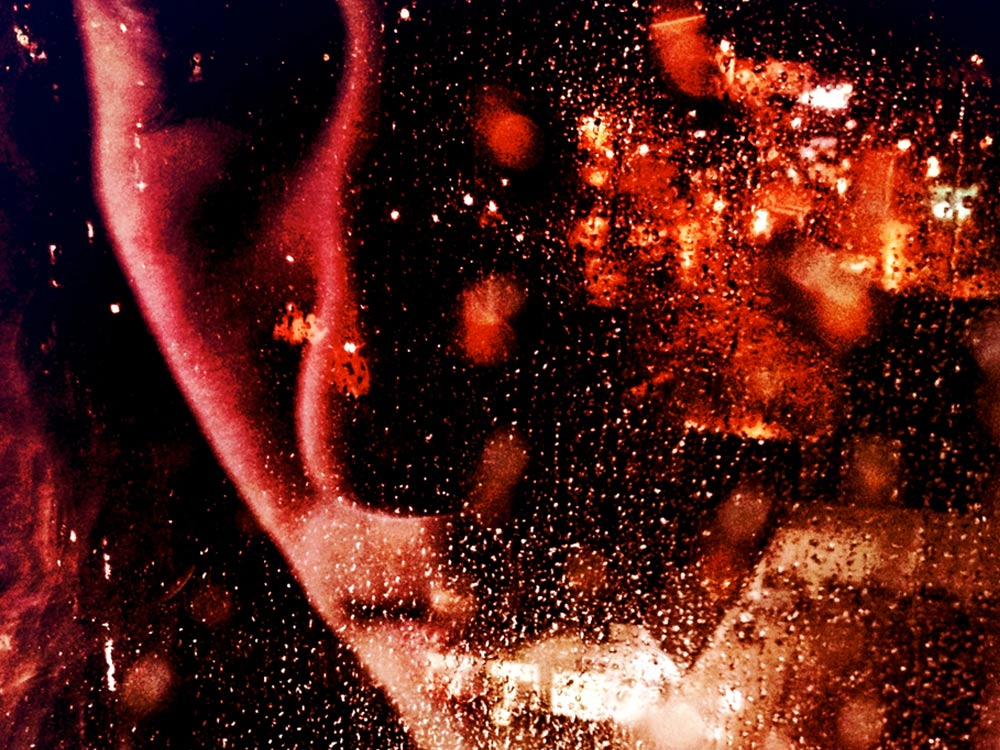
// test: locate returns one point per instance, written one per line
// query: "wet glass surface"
(498, 374)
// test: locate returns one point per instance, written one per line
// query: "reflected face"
(590, 308)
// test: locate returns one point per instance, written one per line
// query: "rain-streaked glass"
(499, 374)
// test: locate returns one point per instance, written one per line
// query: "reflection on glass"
(620, 375)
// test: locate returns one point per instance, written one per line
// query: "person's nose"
(271, 409)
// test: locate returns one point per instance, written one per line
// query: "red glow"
(511, 138)
(487, 336)
(686, 53)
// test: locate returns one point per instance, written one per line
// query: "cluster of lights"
(866, 216)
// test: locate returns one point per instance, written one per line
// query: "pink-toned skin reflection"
(207, 314)
(286, 466)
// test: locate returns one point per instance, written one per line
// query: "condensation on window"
(503, 374)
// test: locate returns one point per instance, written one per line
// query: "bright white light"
(933, 168)
(677, 723)
(468, 200)
(582, 695)
(948, 204)
(857, 265)
(519, 685)
(733, 700)
(828, 97)
(761, 221)
(654, 668)
(109, 659)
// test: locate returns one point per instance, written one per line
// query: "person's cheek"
(151, 186)
(263, 376)
(222, 241)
